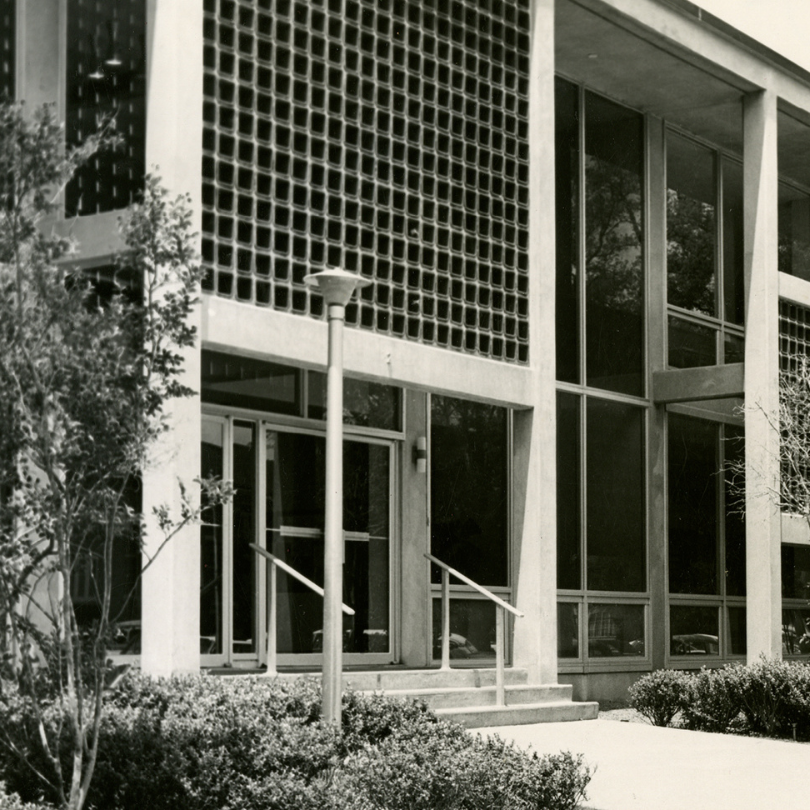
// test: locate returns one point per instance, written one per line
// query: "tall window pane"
(733, 450)
(468, 489)
(614, 230)
(691, 226)
(244, 533)
(733, 259)
(567, 204)
(794, 232)
(616, 500)
(105, 79)
(211, 562)
(568, 492)
(693, 466)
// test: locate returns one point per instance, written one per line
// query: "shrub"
(660, 695)
(775, 695)
(440, 767)
(713, 699)
(204, 743)
(11, 801)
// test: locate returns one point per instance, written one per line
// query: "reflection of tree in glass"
(469, 488)
(690, 253)
(614, 236)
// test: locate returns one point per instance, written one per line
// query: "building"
(586, 223)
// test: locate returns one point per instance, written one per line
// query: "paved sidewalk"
(640, 767)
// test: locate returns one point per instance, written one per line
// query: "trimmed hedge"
(768, 698)
(206, 743)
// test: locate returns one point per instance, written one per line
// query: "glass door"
(279, 478)
(295, 467)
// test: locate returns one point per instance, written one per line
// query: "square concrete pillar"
(535, 458)
(416, 619)
(763, 522)
(171, 587)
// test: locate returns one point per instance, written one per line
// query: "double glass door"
(279, 476)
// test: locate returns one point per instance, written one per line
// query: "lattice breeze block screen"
(106, 78)
(8, 33)
(385, 137)
(794, 333)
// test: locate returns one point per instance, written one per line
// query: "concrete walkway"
(640, 767)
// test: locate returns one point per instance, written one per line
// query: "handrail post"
(499, 656)
(445, 619)
(272, 621)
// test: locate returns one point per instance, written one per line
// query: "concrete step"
(550, 712)
(455, 697)
(403, 680)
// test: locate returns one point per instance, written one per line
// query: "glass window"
(615, 630)
(794, 232)
(737, 629)
(242, 382)
(796, 631)
(796, 572)
(614, 235)
(472, 628)
(567, 245)
(244, 533)
(733, 246)
(88, 577)
(106, 79)
(469, 489)
(567, 630)
(734, 451)
(211, 563)
(693, 630)
(365, 403)
(691, 226)
(616, 538)
(692, 506)
(691, 344)
(568, 492)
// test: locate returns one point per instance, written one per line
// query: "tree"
(86, 368)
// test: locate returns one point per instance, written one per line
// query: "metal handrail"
(275, 563)
(501, 608)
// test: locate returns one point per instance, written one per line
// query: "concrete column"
(416, 635)
(535, 457)
(171, 587)
(763, 524)
(656, 350)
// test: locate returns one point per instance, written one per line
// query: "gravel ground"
(623, 715)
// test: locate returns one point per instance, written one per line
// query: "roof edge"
(689, 9)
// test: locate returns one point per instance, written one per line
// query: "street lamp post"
(336, 286)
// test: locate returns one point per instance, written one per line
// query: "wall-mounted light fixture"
(420, 454)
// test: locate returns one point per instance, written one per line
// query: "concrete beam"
(794, 289)
(696, 384)
(763, 518)
(795, 530)
(252, 331)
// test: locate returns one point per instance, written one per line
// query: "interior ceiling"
(627, 67)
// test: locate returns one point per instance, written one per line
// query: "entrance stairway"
(467, 696)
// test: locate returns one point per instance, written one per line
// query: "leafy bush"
(660, 695)
(11, 801)
(440, 767)
(713, 699)
(204, 743)
(775, 695)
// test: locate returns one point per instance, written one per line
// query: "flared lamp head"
(335, 285)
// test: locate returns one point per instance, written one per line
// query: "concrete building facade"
(587, 228)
